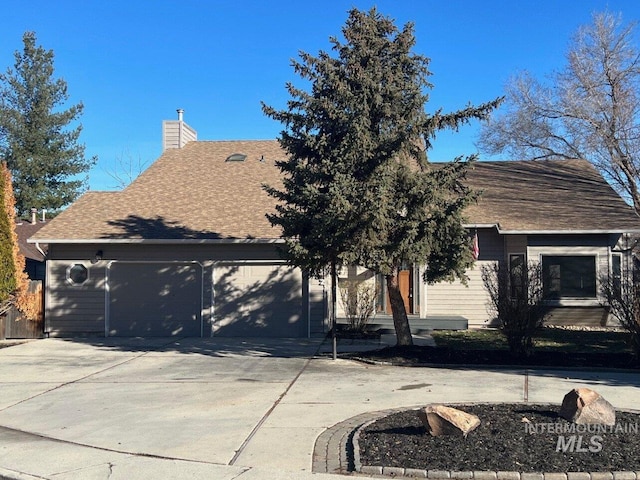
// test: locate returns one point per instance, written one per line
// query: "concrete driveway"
(244, 404)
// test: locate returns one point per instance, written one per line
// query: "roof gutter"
(547, 232)
(158, 241)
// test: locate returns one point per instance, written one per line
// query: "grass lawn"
(549, 339)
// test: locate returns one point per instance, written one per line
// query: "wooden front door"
(405, 281)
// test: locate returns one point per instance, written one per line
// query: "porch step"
(418, 325)
(578, 316)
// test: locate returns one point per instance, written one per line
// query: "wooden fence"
(14, 325)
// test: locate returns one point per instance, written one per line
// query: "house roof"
(547, 196)
(24, 230)
(193, 194)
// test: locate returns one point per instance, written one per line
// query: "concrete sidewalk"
(227, 409)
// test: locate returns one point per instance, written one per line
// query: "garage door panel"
(147, 299)
(258, 300)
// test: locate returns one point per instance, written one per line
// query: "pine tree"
(358, 188)
(43, 155)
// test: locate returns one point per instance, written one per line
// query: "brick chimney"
(176, 133)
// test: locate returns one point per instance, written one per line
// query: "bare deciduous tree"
(622, 296)
(516, 301)
(359, 303)
(126, 169)
(590, 109)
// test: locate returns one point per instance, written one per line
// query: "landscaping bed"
(554, 347)
(511, 437)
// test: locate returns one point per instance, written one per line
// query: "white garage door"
(258, 300)
(155, 299)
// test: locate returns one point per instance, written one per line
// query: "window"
(569, 276)
(77, 274)
(616, 271)
(517, 274)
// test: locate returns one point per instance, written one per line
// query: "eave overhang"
(156, 241)
(550, 232)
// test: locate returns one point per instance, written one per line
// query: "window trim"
(524, 264)
(565, 300)
(70, 281)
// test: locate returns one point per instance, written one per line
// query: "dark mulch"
(502, 442)
(416, 355)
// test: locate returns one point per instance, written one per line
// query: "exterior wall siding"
(446, 299)
(318, 307)
(72, 310)
(80, 309)
(449, 299)
(176, 134)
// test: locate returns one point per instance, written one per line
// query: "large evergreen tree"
(358, 188)
(43, 155)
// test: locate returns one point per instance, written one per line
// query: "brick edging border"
(336, 451)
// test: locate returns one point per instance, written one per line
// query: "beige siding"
(453, 299)
(74, 309)
(471, 300)
(318, 307)
(352, 274)
(176, 134)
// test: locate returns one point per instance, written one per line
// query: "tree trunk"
(400, 319)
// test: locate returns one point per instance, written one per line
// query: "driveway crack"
(71, 382)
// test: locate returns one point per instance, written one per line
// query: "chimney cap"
(180, 112)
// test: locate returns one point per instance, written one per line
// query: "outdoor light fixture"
(98, 256)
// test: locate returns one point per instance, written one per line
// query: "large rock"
(587, 407)
(442, 420)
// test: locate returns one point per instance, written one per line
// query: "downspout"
(44, 290)
(44, 255)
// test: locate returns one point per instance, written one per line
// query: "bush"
(14, 282)
(516, 302)
(622, 297)
(359, 303)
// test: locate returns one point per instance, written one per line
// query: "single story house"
(186, 249)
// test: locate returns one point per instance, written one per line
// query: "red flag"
(476, 247)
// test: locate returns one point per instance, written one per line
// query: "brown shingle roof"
(24, 230)
(187, 193)
(194, 193)
(547, 195)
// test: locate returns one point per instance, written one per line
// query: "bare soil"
(511, 437)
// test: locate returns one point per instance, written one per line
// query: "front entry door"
(405, 282)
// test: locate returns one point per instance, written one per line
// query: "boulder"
(442, 420)
(587, 407)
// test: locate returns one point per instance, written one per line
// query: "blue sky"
(133, 63)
